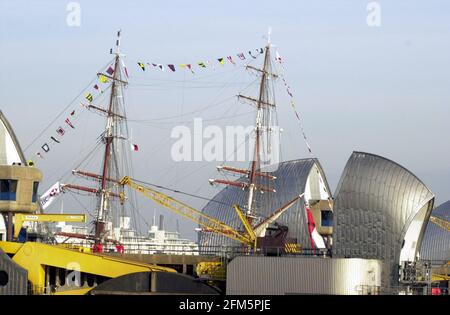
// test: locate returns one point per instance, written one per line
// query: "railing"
(220, 251)
(232, 251)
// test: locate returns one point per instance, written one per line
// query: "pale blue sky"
(382, 90)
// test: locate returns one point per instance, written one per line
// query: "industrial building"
(292, 179)
(380, 215)
(18, 184)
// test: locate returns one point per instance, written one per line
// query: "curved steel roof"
(290, 182)
(436, 240)
(6, 131)
(375, 202)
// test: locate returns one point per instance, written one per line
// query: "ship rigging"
(115, 167)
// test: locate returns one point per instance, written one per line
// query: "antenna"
(269, 34)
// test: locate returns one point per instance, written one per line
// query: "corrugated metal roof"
(375, 202)
(290, 182)
(436, 241)
(6, 152)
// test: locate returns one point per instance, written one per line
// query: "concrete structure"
(381, 211)
(18, 188)
(292, 179)
(18, 181)
(302, 275)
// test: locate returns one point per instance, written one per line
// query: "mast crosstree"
(264, 107)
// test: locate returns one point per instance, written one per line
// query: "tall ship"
(111, 229)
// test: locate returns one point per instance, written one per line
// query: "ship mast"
(110, 167)
(263, 108)
(111, 121)
(258, 125)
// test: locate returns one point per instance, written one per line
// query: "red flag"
(190, 67)
(314, 236)
(134, 147)
(97, 88)
(124, 68)
(110, 71)
(311, 225)
(70, 123)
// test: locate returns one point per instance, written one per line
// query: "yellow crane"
(210, 224)
(443, 224)
(20, 218)
(37, 258)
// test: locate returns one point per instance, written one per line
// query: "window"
(35, 190)
(8, 188)
(327, 218)
(4, 279)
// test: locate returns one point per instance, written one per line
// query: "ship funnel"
(161, 222)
